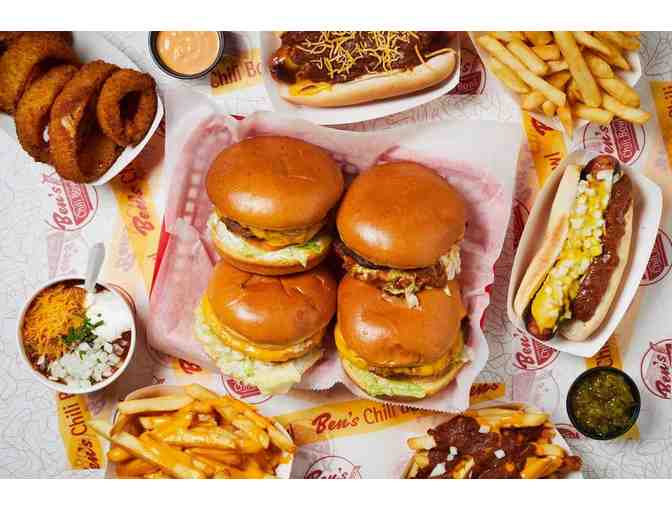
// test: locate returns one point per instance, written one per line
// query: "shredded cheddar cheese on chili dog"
(339, 51)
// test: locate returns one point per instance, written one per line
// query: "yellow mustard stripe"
(138, 213)
(82, 446)
(236, 73)
(662, 98)
(482, 392)
(344, 419)
(546, 145)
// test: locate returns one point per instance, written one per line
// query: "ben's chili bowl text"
(73, 341)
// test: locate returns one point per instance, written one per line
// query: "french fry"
(156, 475)
(156, 404)
(559, 79)
(212, 437)
(573, 92)
(421, 443)
(598, 66)
(463, 469)
(198, 392)
(547, 52)
(496, 48)
(135, 468)
(120, 424)
(252, 430)
(579, 69)
(548, 449)
(422, 459)
(118, 454)
(616, 58)
(592, 42)
(508, 77)
(507, 36)
(532, 101)
(596, 115)
(620, 90)
(565, 116)
(228, 457)
(528, 57)
(555, 66)
(634, 115)
(280, 439)
(152, 422)
(620, 39)
(168, 459)
(548, 108)
(538, 467)
(539, 38)
(632, 34)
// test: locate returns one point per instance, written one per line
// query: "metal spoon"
(93, 266)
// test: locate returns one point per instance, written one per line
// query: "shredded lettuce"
(290, 254)
(268, 377)
(376, 385)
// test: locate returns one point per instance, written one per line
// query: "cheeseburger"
(272, 198)
(391, 350)
(265, 330)
(400, 226)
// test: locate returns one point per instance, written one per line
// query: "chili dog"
(574, 276)
(327, 69)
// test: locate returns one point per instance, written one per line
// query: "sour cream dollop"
(112, 310)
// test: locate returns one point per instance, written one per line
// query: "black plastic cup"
(171, 72)
(635, 411)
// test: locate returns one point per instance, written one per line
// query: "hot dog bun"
(556, 233)
(378, 86)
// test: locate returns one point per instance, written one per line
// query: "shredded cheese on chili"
(50, 316)
(337, 57)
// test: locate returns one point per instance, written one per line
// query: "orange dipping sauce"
(188, 53)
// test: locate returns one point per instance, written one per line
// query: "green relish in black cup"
(603, 403)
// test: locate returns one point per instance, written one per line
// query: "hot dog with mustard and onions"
(573, 278)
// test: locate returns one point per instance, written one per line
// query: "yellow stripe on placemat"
(546, 145)
(610, 356)
(237, 72)
(82, 446)
(662, 98)
(136, 206)
(345, 419)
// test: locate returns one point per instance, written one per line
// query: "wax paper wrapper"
(198, 131)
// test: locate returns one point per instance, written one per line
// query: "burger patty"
(380, 276)
(596, 280)
(236, 228)
(316, 57)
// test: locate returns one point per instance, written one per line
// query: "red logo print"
(621, 139)
(530, 354)
(655, 369)
(243, 391)
(74, 204)
(661, 260)
(333, 467)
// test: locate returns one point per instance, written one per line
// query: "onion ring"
(28, 57)
(32, 112)
(79, 150)
(127, 106)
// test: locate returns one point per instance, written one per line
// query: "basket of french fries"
(165, 431)
(501, 441)
(567, 79)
